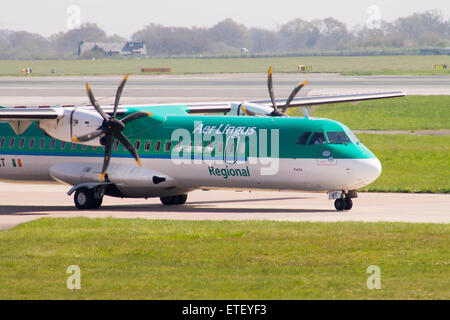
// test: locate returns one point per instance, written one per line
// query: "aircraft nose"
(372, 170)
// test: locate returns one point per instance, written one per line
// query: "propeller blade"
(293, 94)
(108, 149)
(270, 87)
(135, 116)
(119, 94)
(94, 102)
(124, 140)
(89, 136)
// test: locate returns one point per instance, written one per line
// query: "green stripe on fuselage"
(143, 129)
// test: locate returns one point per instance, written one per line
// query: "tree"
(266, 41)
(300, 34)
(230, 33)
(24, 45)
(333, 34)
(66, 43)
(162, 40)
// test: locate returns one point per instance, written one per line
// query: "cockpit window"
(318, 138)
(338, 137)
(352, 136)
(303, 138)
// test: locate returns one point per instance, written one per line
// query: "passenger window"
(31, 143)
(303, 138)
(168, 146)
(157, 146)
(189, 147)
(179, 146)
(199, 148)
(62, 145)
(12, 142)
(137, 144)
(116, 145)
(42, 143)
(52, 144)
(317, 138)
(219, 149)
(147, 145)
(231, 147)
(2, 142)
(337, 137)
(242, 147)
(209, 148)
(84, 147)
(21, 143)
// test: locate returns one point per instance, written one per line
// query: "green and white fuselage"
(199, 152)
(166, 151)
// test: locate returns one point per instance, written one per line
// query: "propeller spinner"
(111, 128)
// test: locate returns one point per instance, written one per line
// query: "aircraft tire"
(340, 204)
(84, 199)
(348, 204)
(174, 200)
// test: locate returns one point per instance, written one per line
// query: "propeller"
(112, 128)
(275, 112)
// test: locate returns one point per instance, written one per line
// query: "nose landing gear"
(343, 204)
(345, 201)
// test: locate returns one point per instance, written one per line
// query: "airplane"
(168, 150)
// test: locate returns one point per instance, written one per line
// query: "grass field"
(410, 163)
(406, 113)
(141, 259)
(413, 65)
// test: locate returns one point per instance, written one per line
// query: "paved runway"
(188, 88)
(22, 203)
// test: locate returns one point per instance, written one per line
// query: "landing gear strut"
(174, 200)
(88, 198)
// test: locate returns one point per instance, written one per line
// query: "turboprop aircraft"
(166, 151)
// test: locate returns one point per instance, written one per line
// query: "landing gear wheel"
(85, 199)
(340, 204)
(174, 200)
(348, 204)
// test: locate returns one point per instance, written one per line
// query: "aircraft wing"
(317, 100)
(225, 107)
(42, 113)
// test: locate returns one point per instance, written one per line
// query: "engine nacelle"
(75, 122)
(252, 109)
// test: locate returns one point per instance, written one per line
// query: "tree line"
(227, 37)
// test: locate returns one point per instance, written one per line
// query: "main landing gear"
(174, 200)
(345, 202)
(88, 198)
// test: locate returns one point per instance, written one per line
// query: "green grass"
(141, 259)
(415, 65)
(405, 113)
(410, 163)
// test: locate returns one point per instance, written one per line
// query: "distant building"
(114, 48)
